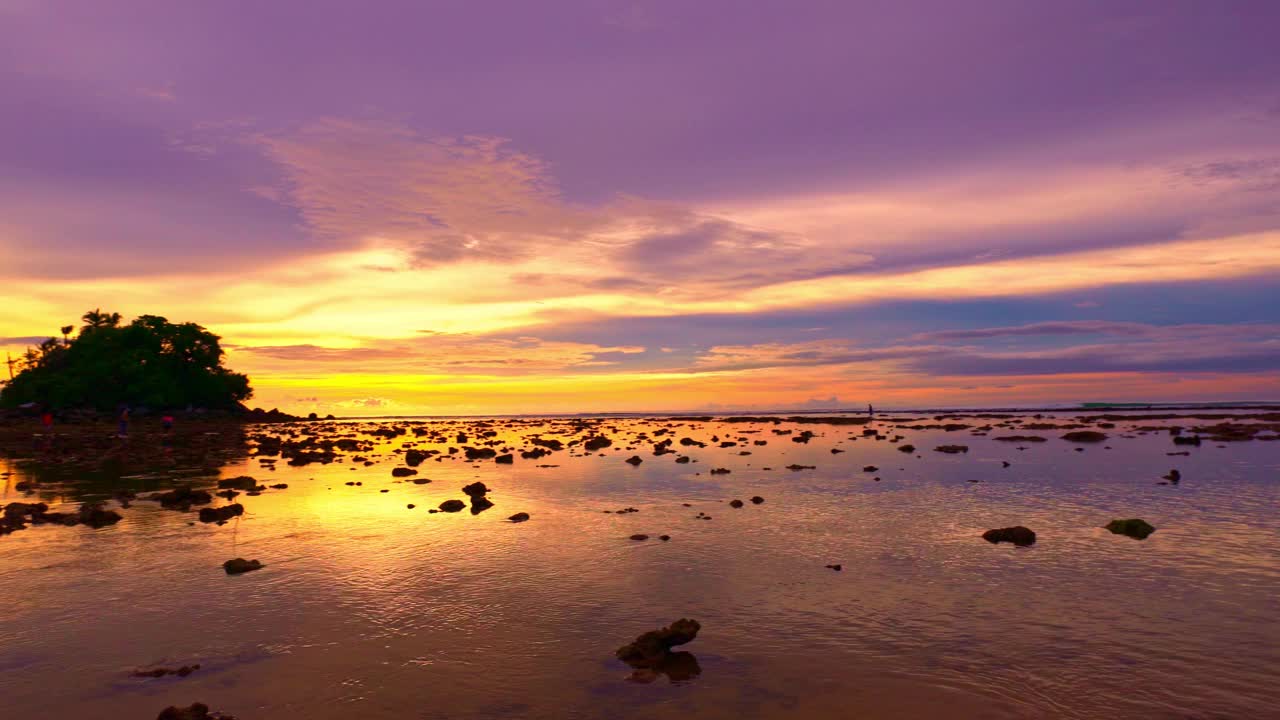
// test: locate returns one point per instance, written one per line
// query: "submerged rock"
(183, 671)
(183, 498)
(1136, 528)
(651, 648)
(94, 515)
(519, 517)
(243, 482)
(1085, 436)
(639, 537)
(837, 567)
(735, 503)
(221, 514)
(403, 472)
(452, 505)
(756, 500)
(1018, 535)
(634, 460)
(907, 448)
(240, 565)
(952, 449)
(195, 711)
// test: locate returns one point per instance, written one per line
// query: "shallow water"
(367, 609)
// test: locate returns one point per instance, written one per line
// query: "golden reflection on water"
(368, 608)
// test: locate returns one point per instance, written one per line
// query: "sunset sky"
(587, 205)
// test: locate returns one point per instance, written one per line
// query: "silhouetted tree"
(149, 362)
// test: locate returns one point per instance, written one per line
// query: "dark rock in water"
(244, 482)
(682, 459)
(420, 481)
(1085, 436)
(411, 506)
(475, 489)
(1004, 463)
(240, 565)
(519, 517)
(414, 458)
(93, 515)
(1136, 528)
(195, 711)
(183, 498)
(1173, 476)
(952, 449)
(651, 648)
(221, 514)
(183, 671)
(452, 505)
(479, 504)
(634, 460)
(870, 468)
(756, 500)
(735, 503)
(1021, 438)
(907, 448)
(507, 459)
(1018, 535)
(719, 471)
(596, 443)
(1185, 440)
(796, 467)
(403, 472)
(664, 538)
(479, 453)
(280, 486)
(836, 567)
(836, 451)
(639, 536)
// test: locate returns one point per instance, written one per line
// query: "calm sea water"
(368, 609)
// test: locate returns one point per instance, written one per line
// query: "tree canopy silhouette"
(150, 362)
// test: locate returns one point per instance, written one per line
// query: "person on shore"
(46, 421)
(124, 421)
(166, 422)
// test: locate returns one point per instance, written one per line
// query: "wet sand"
(367, 608)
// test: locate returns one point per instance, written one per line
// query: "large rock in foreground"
(1018, 535)
(652, 648)
(1133, 527)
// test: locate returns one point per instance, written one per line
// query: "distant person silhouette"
(46, 421)
(124, 421)
(166, 422)
(870, 411)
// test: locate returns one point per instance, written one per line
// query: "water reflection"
(679, 667)
(367, 607)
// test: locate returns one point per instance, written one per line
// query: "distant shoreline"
(1083, 407)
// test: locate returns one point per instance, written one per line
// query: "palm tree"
(66, 334)
(97, 319)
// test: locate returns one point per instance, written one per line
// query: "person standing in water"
(124, 421)
(870, 411)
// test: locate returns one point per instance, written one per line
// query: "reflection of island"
(677, 666)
